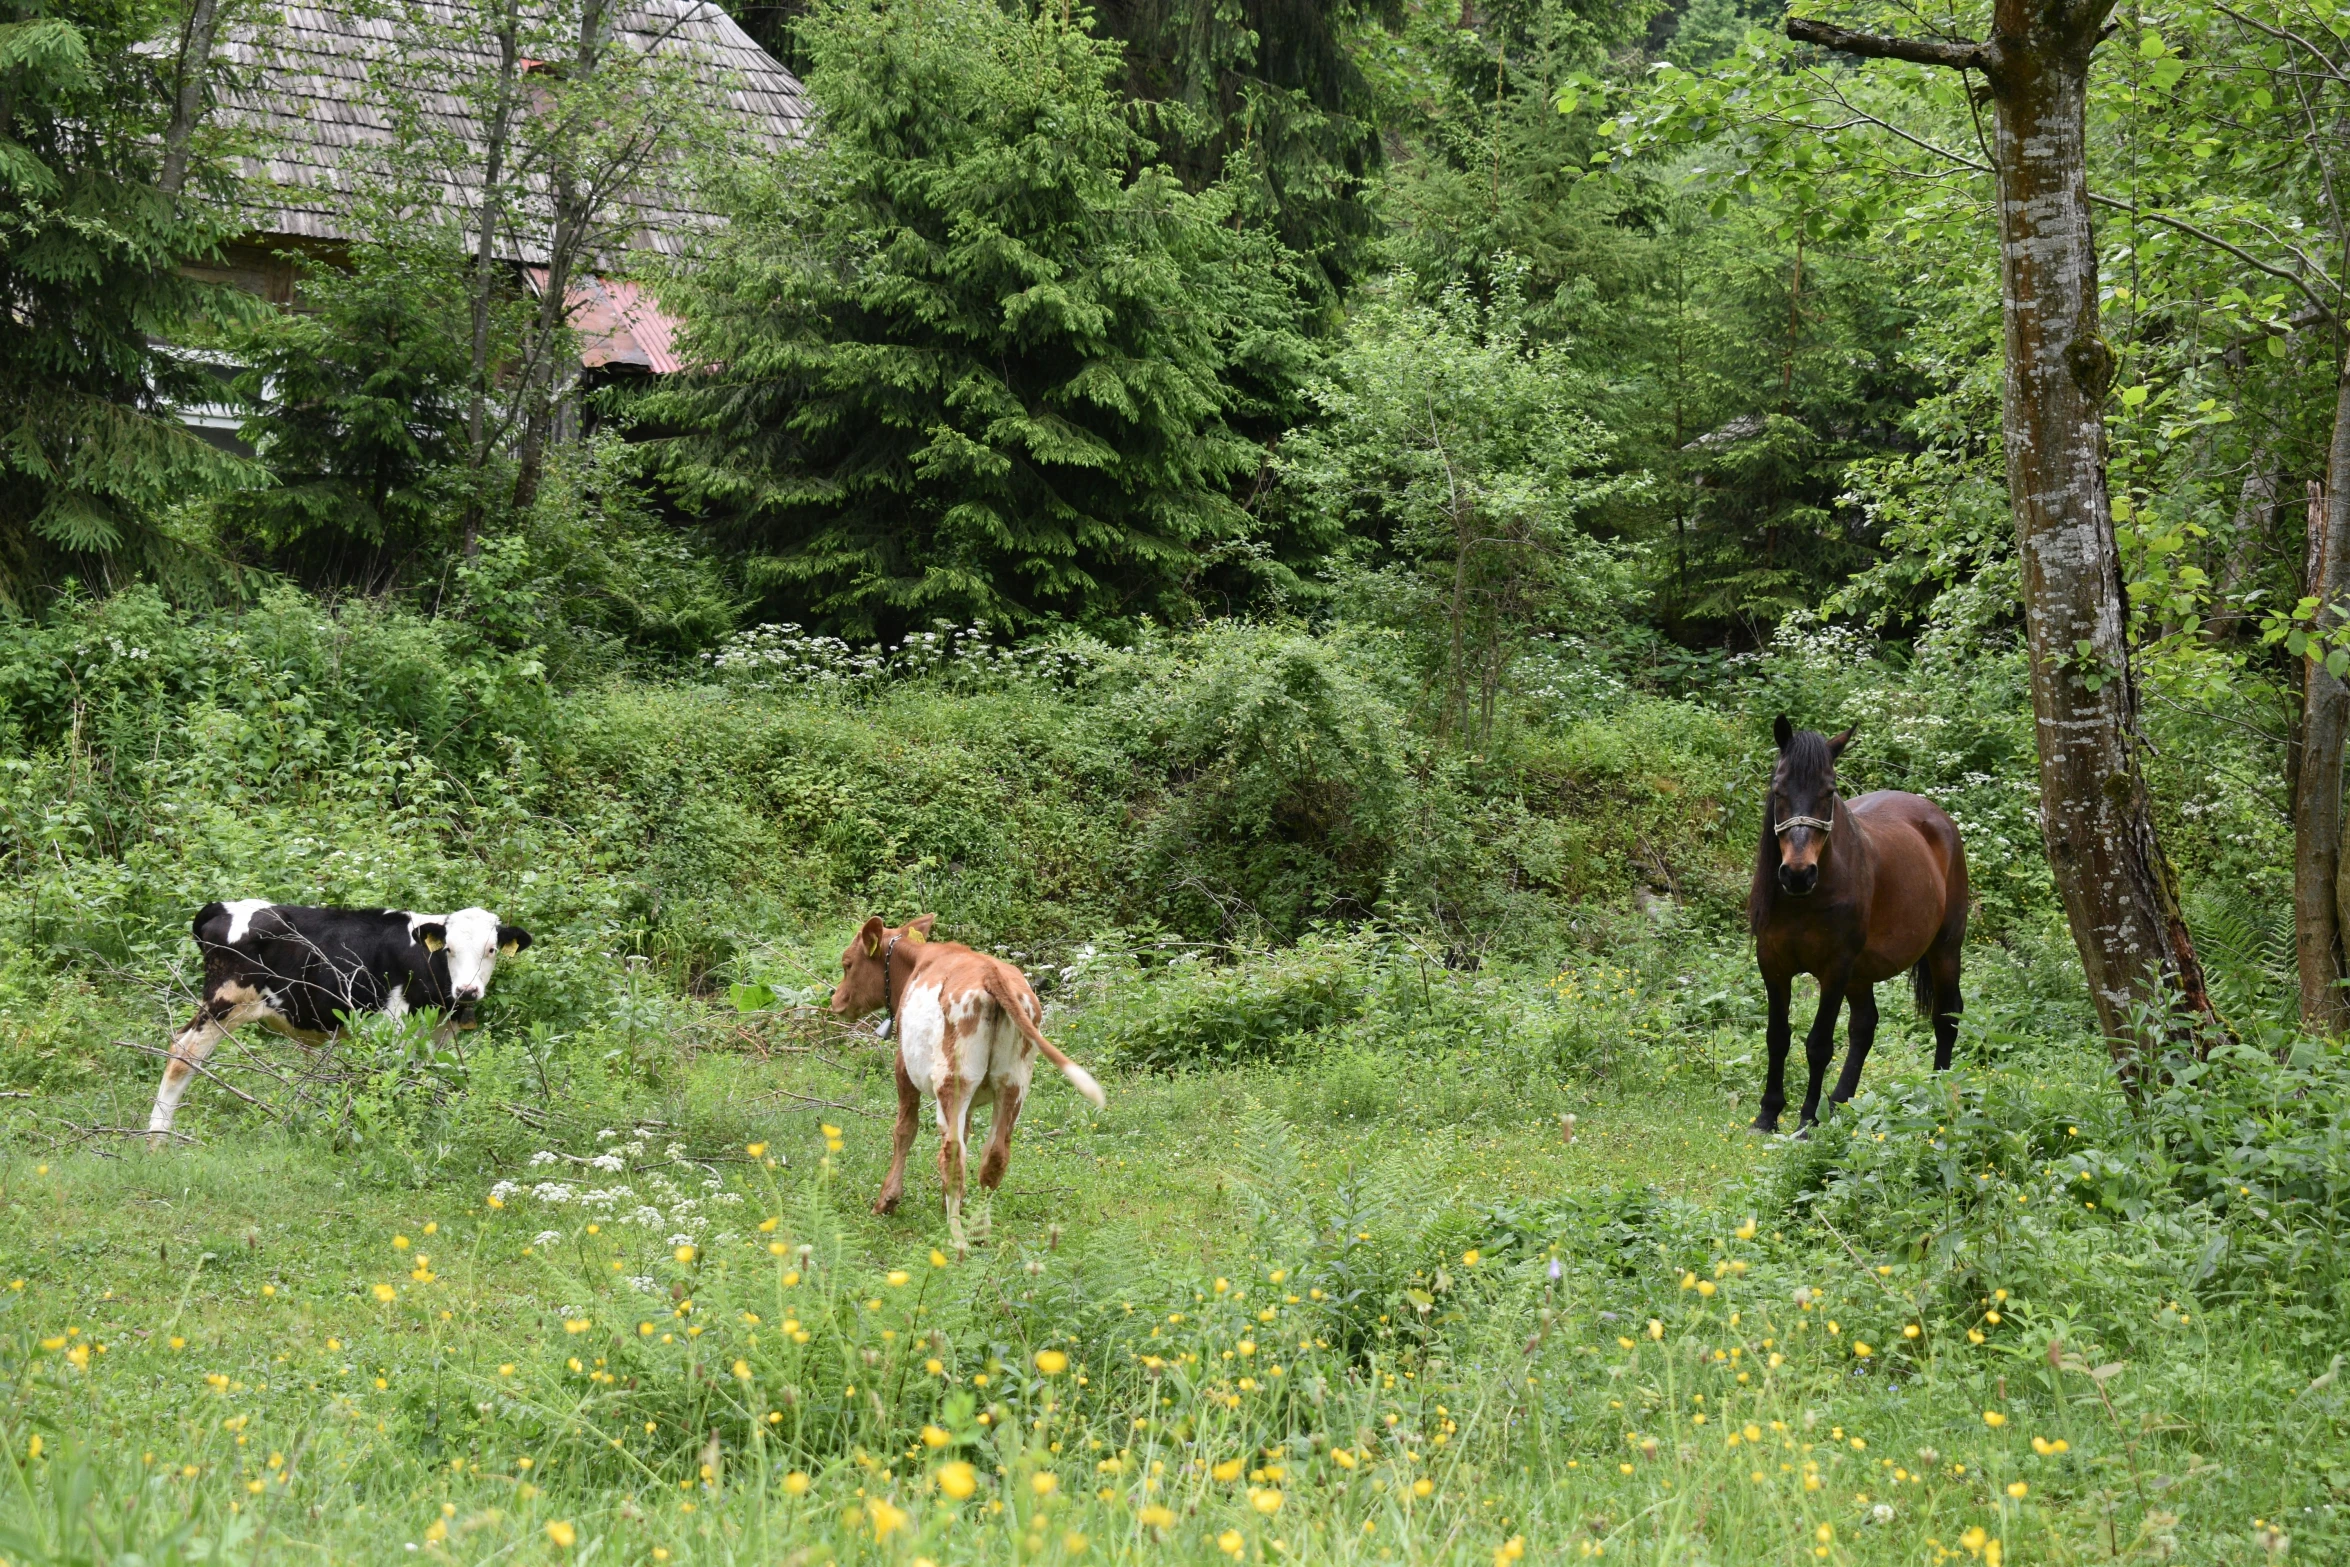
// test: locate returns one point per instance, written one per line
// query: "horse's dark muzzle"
(1799, 883)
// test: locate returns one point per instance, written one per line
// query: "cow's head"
(863, 972)
(473, 940)
(1803, 794)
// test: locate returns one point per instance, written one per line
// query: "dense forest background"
(1517, 362)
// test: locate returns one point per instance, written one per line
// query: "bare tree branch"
(2334, 69)
(1958, 54)
(2281, 274)
(1861, 116)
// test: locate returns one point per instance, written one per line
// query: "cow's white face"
(473, 953)
(472, 940)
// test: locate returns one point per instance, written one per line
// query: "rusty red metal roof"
(619, 323)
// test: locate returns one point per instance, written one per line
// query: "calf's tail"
(1007, 997)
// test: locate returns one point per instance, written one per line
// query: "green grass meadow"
(1259, 1313)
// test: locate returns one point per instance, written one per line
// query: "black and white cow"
(300, 970)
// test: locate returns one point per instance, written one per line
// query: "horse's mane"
(1810, 765)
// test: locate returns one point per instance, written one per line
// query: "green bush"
(1196, 1012)
(2228, 1184)
(1285, 766)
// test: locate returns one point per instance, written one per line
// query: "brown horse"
(1851, 892)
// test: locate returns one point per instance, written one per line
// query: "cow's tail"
(1012, 1002)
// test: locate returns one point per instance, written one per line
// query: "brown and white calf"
(301, 970)
(966, 1035)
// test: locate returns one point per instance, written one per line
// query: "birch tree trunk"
(479, 437)
(2120, 896)
(2320, 920)
(573, 221)
(187, 104)
(2256, 504)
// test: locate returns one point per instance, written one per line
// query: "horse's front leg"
(1780, 991)
(1819, 1046)
(1861, 1033)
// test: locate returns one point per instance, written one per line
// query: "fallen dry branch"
(226, 1086)
(126, 1131)
(829, 1104)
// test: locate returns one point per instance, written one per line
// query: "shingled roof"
(302, 80)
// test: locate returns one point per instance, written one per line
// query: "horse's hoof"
(1765, 1124)
(1803, 1132)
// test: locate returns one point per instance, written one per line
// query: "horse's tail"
(1921, 988)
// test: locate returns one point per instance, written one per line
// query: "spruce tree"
(93, 236)
(975, 353)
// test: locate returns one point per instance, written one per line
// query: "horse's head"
(1803, 802)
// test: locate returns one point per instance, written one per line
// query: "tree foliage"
(975, 353)
(1459, 452)
(358, 408)
(92, 464)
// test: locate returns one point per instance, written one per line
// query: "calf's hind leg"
(954, 1114)
(228, 1008)
(996, 1160)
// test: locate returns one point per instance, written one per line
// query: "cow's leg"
(901, 1141)
(226, 1009)
(994, 1160)
(1819, 1046)
(998, 1157)
(954, 1104)
(1861, 1033)
(1779, 992)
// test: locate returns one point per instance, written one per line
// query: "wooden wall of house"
(269, 265)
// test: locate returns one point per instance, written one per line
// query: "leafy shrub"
(786, 658)
(1286, 782)
(1195, 1012)
(2227, 1184)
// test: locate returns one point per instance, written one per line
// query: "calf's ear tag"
(510, 948)
(873, 948)
(433, 943)
(916, 937)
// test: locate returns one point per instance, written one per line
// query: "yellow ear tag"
(916, 936)
(509, 948)
(873, 948)
(433, 943)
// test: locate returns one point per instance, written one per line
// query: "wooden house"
(320, 93)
